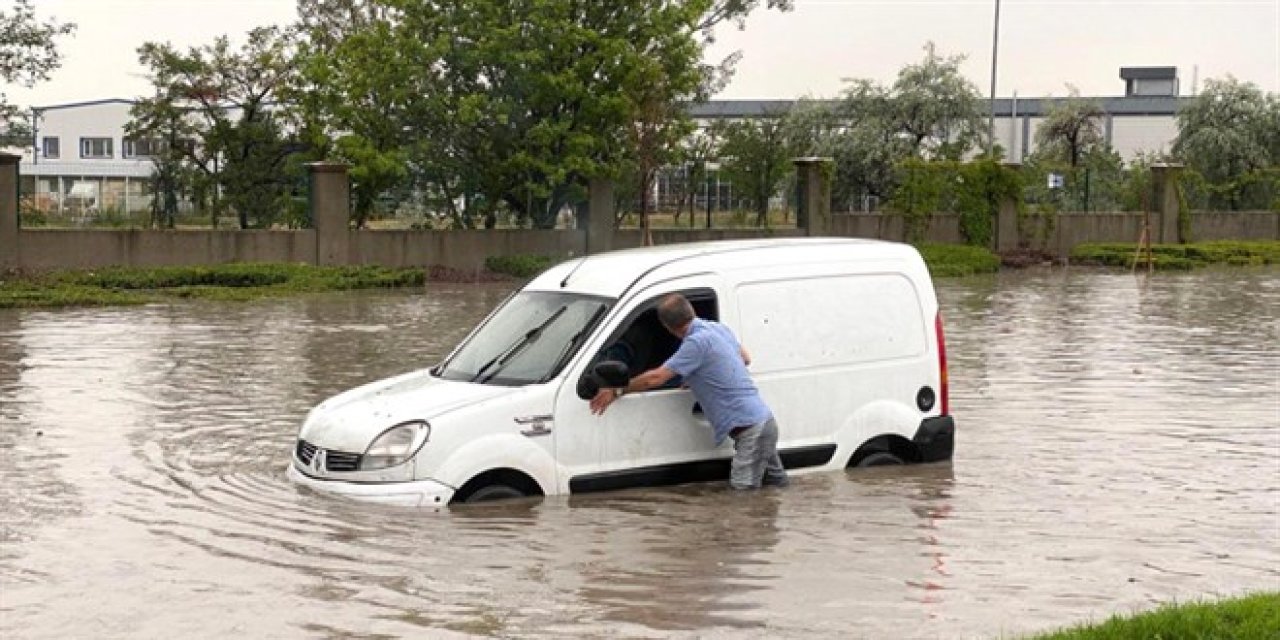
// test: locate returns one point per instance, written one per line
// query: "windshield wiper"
(573, 342)
(508, 354)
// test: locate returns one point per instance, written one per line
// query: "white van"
(846, 344)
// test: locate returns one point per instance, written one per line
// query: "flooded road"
(1118, 446)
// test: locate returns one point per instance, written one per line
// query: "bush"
(1180, 256)
(519, 265)
(946, 260)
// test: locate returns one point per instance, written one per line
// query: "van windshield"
(528, 340)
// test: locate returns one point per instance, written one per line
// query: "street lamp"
(991, 124)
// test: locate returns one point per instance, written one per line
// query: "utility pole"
(995, 45)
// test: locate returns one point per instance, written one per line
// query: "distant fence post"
(9, 210)
(600, 215)
(1006, 235)
(813, 184)
(329, 200)
(1164, 183)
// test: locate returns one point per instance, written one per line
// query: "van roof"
(612, 273)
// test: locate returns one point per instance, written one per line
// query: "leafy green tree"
(512, 104)
(936, 107)
(227, 104)
(1071, 130)
(754, 156)
(930, 112)
(350, 89)
(1228, 134)
(28, 54)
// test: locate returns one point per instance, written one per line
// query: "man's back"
(710, 360)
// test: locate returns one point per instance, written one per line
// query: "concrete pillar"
(600, 216)
(9, 210)
(813, 184)
(330, 204)
(1164, 187)
(1006, 237)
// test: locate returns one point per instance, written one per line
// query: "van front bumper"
(415, 493)
(935, 440)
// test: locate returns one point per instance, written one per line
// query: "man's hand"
(603, 399)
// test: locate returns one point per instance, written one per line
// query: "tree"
(225, 105)
(754, 156)
(936, 108)
(351, 92)
(509, 104)
(1071, 130)
(1228, 134)
(28, 55)
(930, 112)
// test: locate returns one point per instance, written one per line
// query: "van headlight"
(396, 445)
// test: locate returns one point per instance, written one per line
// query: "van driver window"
(644, 344)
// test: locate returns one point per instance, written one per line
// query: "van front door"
(657, 437)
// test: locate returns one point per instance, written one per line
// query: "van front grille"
(333, 460)
(341, 461)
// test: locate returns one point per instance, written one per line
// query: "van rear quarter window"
(830, 321)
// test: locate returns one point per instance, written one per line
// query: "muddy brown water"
(1118, 447)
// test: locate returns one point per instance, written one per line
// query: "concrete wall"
(39, 249)
(465, 249)
(1260, 225)
(944, 228)
(85, 249)
(333, 242)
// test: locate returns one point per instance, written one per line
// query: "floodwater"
(1118, 447)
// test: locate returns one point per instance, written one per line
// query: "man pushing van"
(713, 365)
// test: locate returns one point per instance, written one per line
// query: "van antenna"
(565, 282)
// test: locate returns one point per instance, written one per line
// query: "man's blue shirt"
(710, 361)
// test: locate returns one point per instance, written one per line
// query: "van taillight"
(942, 365)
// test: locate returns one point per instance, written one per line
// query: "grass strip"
(241, 281)
(1180, 257)
(1250, 617)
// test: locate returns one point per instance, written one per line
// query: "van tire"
(492, 492)
(880, 459)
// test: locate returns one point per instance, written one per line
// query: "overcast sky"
(1044, 44)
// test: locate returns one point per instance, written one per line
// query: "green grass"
(1180, 257)
(119, 286)
(519, 265)
(949, 260)
(1255, 617)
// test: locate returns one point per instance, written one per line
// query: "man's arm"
(651, 379)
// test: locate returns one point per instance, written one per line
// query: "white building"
(82, 162)
(1144, 120)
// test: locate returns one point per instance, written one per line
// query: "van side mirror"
(606, 374)
(588, 385)
(613, 373)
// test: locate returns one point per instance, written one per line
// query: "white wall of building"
(71, 126)
(1131, 135)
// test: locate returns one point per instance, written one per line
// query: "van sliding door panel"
(829, 322)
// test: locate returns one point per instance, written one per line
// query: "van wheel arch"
(877, 451)
(486, 486)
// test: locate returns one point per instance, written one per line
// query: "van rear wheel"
(880, 459)
(492, 492)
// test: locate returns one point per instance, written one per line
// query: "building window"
(96, 148)
(49, 147)
(140, 148)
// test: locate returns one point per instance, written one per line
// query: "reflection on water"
(1119, 446)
